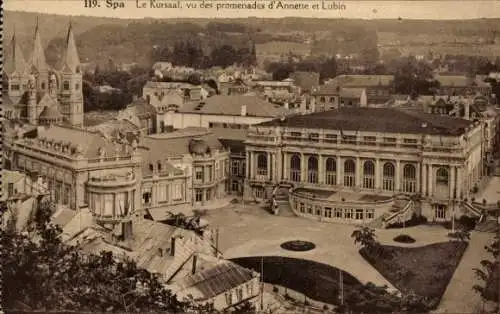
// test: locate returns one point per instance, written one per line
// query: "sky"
(368, 9)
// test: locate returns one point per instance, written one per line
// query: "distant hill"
(134, 40)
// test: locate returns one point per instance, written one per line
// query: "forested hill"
(143, 40)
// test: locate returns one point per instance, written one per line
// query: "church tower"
(70, 90)
(15, 71)
(38, 64)
(32, 110)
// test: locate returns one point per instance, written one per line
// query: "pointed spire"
(70, 60)
(14, 59)
(38, 55)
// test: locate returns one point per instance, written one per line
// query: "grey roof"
(388, 120)
(231, 105)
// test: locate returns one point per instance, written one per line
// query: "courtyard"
(251, 231)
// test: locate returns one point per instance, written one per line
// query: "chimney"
(243, 110)
(467, 109)
(172, 246)
(127, 230)
(195, 259)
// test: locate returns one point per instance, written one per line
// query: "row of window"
(206, 173)
(238, 293)
(228, 125)
(176, 191)
(109, 205)
(329, 212)
(348, 139)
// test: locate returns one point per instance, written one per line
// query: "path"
(459, 296)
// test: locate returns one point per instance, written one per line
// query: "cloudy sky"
(368, 9)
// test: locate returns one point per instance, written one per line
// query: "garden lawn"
(425, 271)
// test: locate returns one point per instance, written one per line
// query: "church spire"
(38, 57)
(70, 61)
(14, 61)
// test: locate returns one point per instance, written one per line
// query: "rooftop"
(388, 120)
(231, 106)
(362, 80)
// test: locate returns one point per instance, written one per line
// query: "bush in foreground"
(404, 238)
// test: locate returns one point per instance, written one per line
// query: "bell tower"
(70, 92)
(38, 63)
(15, 71)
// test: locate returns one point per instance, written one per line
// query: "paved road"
(459, 296)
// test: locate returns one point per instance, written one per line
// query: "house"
(161, 94)
(461, 85)
(142, 114)
(13, 183)
(232, 111)
(305, 80)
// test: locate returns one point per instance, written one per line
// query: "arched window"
(442, 176)
(369, 175)
(349, 173)
(262, 165)
(43, 85)
(409, 178)
(388, 176)
(66, 85)
(312, 169)
(331, 171)
(295, 168)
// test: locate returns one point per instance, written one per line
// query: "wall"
(183, 120)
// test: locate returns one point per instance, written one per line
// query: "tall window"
(442, 176)
(295, 168)
(349, 173)
(235, 167)
(108, 205)
(409, 178)
(369, 175)
(312, 169)
(388, 177)
(66, 85)
(163, 193)
(331, 171)
(262, 164)
(177, 192)
(198, 173)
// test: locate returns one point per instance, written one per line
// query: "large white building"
(359, 164)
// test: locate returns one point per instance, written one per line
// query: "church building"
(40, 93)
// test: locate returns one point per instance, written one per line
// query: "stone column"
(247, 165)
(269, 161)
(340, 179)
(459, 188)
(423, 179)
(378, 177)
(321, 171)
(430, 184)
(451, 182)
(278, 166)
(286, 169)
(358, 172)
(417, 178)
(303, 168)
(397, 183)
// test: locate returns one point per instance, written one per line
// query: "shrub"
(325, 307)
(467, 223)
(275, 289)
(404, 238)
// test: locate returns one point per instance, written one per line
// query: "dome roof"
(199, 147)
(50, 113)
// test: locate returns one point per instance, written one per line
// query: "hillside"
(137, 40)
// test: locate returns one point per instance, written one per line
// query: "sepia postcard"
(250, 156)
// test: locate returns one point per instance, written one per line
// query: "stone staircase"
(378, 223)
(283, 201)
(401, 211)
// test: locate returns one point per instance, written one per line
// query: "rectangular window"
(338, 212)
(108, 205)
(440, 211)
(296, 134)
(348, 213)
(14, 87)
(235, 186)
(318, 210)
(10, 189)
(389, 141)
(369, 140)
(199, 173)
(208, 173)
(349, 139)
(309, 209)
(302, 208)
(370, 213)
(218, 169)
(314, 137)
(229, 300)
(328, 212)
(235, 167)
(178, 192)
(239, 292)
(359, 214)
(331, 138)
(163, 193)
(259, 192)
(198, 195)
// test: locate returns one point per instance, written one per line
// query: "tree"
(414, 78)
(42, 273)
(489, 273)
(364, 236)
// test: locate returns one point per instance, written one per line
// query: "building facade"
(352, 163)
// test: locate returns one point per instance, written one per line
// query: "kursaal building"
(367, 164)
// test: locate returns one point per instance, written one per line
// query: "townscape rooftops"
(215, 280)
(351, 92)
(177, 143)
(376, 120)
(231, 105)
(170, 85)
(459, 81)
